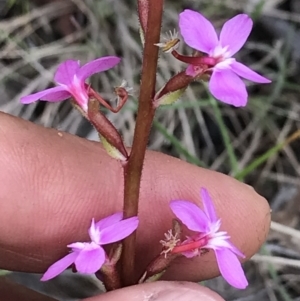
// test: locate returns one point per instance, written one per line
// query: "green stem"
(225, 136)
(265, 156)
(145, 115)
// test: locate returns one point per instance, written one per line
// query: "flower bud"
(173, 89)
(169, 98)
(112, 151)
(143, 11)
(111, 139)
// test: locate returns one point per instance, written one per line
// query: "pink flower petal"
(65, 72)
(118, 231)
(208, 205)
(235, 250)
(98, 65)
(227, 87)
(235, 33)
(231, 269)
(90, 260)
(190, 214)
(53, 95)
(59, 266)
(77, 246)
(197, 31)
(247, 73)
(108, 221)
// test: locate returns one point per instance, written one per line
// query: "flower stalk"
(145, 115)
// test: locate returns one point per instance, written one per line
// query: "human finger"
(52, 184)
(161, 291)
(15, 292)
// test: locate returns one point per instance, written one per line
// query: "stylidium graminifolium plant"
(212, 61)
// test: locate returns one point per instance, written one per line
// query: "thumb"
(161, 291)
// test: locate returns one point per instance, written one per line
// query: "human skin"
(52, 184)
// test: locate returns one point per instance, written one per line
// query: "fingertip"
(15, 292)
(161, 291)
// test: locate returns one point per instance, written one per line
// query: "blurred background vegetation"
(257, 144)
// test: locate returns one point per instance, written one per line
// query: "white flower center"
(216, 239)
(225, 64)
(79, 93)
(95, 234)
(223, 56)
(220, 52)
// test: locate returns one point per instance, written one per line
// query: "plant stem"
(145, 115)
(225, 136)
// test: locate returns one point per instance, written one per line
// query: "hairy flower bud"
(173, 89)
(111, 139)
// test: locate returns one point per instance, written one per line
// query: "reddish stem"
(145, 115)
(121, 94)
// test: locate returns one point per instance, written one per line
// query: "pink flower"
(89, 257)
(206, 224)
(70, 78)
(225, 83)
